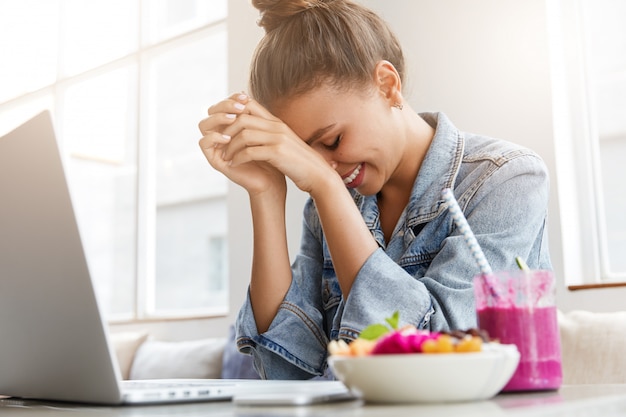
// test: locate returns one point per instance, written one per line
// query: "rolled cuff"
(380, 288)
(295, 337)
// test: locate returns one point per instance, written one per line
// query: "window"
(127, 82)
(588, 43)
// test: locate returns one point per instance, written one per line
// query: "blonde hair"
(308, 42)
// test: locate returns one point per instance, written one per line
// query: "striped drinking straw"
(470, 239)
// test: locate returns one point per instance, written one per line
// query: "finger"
(216, 122)
(224, 112)
(236, 104)
(213, 140)
(255, 108)
(252, 144)
(213, 153)
(260, 153)
(253, 131)
(255, 122)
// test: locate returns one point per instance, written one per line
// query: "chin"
(365, 191)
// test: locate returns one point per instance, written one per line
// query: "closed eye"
(335, 144)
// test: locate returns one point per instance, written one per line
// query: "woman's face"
(357, 133)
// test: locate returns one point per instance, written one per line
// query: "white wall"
(485, 63)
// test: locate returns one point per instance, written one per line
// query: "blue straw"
(463, 226)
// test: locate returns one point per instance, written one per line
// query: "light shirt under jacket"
(425, 271)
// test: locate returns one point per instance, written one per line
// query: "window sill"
(596, 286)
(161, 319)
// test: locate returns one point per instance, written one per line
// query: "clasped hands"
(256, 150)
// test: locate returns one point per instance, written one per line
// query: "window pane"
(191, 260)
(99, 137)
(14, 114)
(606, 34)
(190, 196)
(81, 59)
(612, 152)
(28, 46)
(184, 82)
(97, 31)
(169, 18)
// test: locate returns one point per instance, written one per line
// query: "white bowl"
(440, 377)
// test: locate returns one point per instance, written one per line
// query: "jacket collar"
(438, 171)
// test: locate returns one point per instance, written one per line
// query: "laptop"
(53, 339)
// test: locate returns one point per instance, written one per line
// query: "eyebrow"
(318, 133)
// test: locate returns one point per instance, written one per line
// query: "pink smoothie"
(535, 332)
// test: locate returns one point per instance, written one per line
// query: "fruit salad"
(388, 338)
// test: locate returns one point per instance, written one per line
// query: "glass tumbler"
(518, 307)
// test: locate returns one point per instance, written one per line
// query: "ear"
(388, 82)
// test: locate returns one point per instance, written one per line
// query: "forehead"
(318, 108)
(316, 97)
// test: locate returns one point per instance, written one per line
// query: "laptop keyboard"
(157, 384)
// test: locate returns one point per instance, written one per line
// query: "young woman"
(326, 109)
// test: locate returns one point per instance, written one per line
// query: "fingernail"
(239, 106)
(231, 115)
(242, 97)
(226, 137)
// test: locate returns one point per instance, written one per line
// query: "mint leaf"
(374, 331)
(394, 320)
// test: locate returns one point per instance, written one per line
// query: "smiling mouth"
(347, 180)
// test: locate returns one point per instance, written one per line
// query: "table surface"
(572, 400)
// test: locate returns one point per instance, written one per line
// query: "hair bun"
(275, 12)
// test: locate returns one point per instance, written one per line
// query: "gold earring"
(398, 105)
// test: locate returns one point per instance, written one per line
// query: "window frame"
(145, 212)
(580, 189)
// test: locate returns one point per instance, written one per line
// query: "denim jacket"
(425, 271)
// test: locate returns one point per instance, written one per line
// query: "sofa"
(141, 356)
(593, 349)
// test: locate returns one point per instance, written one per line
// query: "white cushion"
(593, 347)
(126, 345)
(189, 359)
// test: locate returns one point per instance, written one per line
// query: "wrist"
(273, 190)
(329, 186)
(269, 197)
